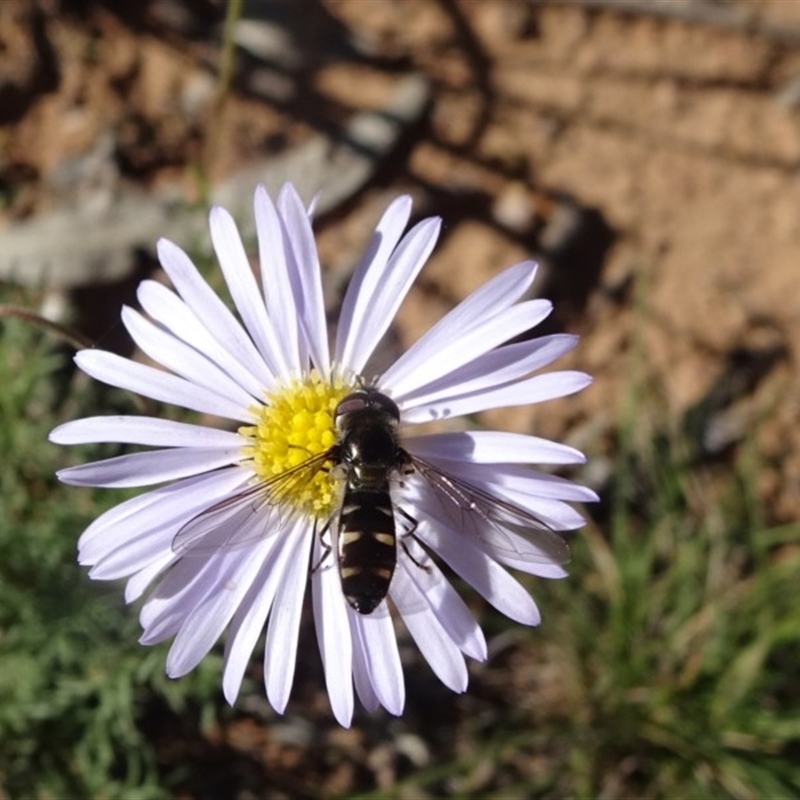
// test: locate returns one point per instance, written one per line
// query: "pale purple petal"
(304, 263)
(366, 281)
(533, 483)
(206, 621)
(154, 466)
(536, 541)
(540, 494)
(130, 548)
(144, 431)
(376, 308)
(454, 348)
(451, 611)
(533, 390)
(154, 383)
(275, 279)
(134, 554)
(434, 643)
(166, 308)
(181, 589)
(181, 359)
(376, 640)
(333, 634)
(205, 303)
(175, 503)
(244, 288)
(516, 478)
(139, 581)
(488, 302)
(361, 679)
(493, 369)
(491, 447)
(549, 571)
(505, 593)
(248, 621)
(280, 653)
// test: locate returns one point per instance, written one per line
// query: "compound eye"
(387, 405)
(357, 401)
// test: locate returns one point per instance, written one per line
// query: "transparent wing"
(497, 524)
(248, 516)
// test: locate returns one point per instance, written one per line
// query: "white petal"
(166, 308)
(533, 390)
(505, 593)
(361, 679)
(280, 654)
(248, 621)
(244, 289)
(155, 466)
(375, 636)
(138, 582)
(516, 478)
(207, 306)
(435, 645)
(181, 589)
(158, 385)
(275, 279)
(366, 281)
(177, 503)
(494, 369)
(188, 583)
(539, 494)
(181, 359)
(492, 447)
(550, 571)
(133, 555)
(541, 485)
(452, 348)
(206, 621)
(451, 611)
(535, 543)
(375, 310)
(304, 262)
(333, 635)
(130, 547)
(143, 430)
(486, 303)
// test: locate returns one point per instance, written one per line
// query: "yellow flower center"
(295, 424)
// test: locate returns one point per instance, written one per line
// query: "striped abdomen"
(367, 547)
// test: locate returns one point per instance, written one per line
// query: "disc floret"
(295, 423)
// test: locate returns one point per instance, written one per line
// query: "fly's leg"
(326, 548)
(413, 525)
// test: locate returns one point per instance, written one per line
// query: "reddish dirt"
(678, 144)
(682, 139)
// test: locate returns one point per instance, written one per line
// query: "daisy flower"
(323, 480)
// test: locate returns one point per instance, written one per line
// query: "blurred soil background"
(647, 153)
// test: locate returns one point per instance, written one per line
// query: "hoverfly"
(368, 456)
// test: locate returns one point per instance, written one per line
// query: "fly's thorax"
(366, 424)
(368, 445)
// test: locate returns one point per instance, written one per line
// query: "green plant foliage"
(74, 685)
(666, 665)
(683, 641)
